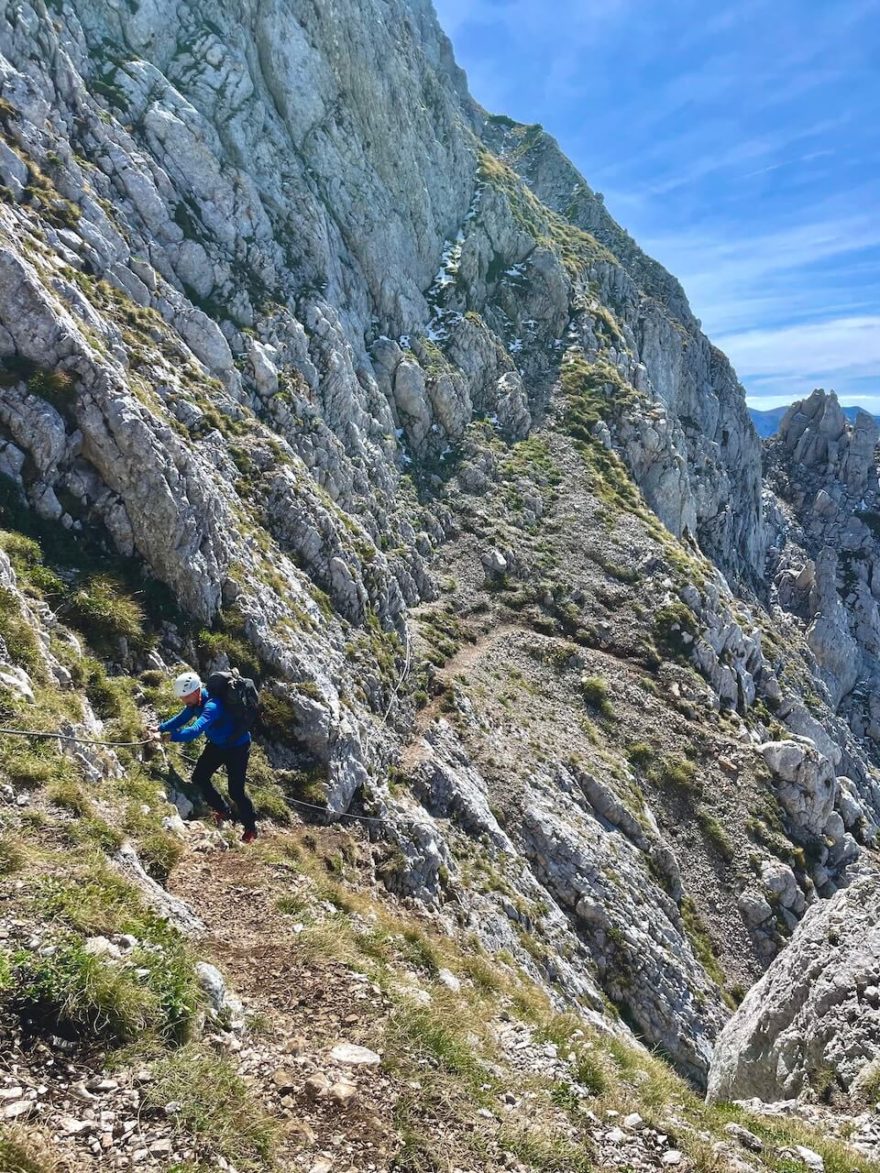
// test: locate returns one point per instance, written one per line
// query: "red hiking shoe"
(248, 836)
(219, 818)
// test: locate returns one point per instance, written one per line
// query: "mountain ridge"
(315, 369)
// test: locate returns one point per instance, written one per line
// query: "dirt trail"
(467, 656)
(298, 1002)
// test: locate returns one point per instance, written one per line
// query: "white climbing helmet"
(186, 683)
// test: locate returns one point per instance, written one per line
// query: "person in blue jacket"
(226, 746)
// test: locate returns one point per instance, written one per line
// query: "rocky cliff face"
(312, 367)
(812, 1019)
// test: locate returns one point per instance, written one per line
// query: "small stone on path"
(355, 1056)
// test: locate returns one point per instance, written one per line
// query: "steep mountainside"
(313, 368)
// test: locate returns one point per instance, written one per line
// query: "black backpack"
(239, 697)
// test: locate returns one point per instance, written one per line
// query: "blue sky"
(738, 142)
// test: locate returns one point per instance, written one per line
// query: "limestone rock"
(355, 1056)
(285, 280)
(164, 903)
(807, 783)
(808, 1015)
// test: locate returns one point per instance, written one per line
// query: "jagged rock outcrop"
(810, 794)
(632, 924)
(824, 554)
(816, 1012)
(611, 874)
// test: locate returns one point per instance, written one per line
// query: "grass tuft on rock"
(18, 635)
(11, 856)
(99, 901)
(594, 690)
(23, 1150)
(74, 989)
(216, 1106)
(105, 613)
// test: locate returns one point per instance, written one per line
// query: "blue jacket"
(209, 718)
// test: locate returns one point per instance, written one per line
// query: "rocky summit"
(567, 769)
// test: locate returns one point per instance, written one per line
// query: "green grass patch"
(701, 942)
(264, 789)
(293, 905)
(594, 690)
(33, 576)
(641, 755)
(592, 391)
(676, 774)
(716, 835)
(590, 1073)
(31, 763)
(531, 458)
(576, 248)
(427, 1032)
(214, 645)
(69, 796)
(103, 611)
(216, 1106)
(278, 718)
(74, 989)
(159, 851)
(106, 596)
(22, 1150)
(12, 856)
(546, 1150)
(420, 951)
(99, 901)
(57, 388)
(19, 636)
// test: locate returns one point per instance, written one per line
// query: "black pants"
(235, 759)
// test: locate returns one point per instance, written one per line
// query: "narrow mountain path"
(300, 1001)
(468, 655)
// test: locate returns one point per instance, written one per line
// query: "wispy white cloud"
(734, 279)
(839, 347)
(706, 159)
(841, 354)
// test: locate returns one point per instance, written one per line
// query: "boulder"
(809, 1014)
(807, 786)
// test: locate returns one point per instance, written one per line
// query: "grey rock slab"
(164, 903)
(355, 1056)
(807, 1015)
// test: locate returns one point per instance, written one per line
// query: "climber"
(229, 745)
